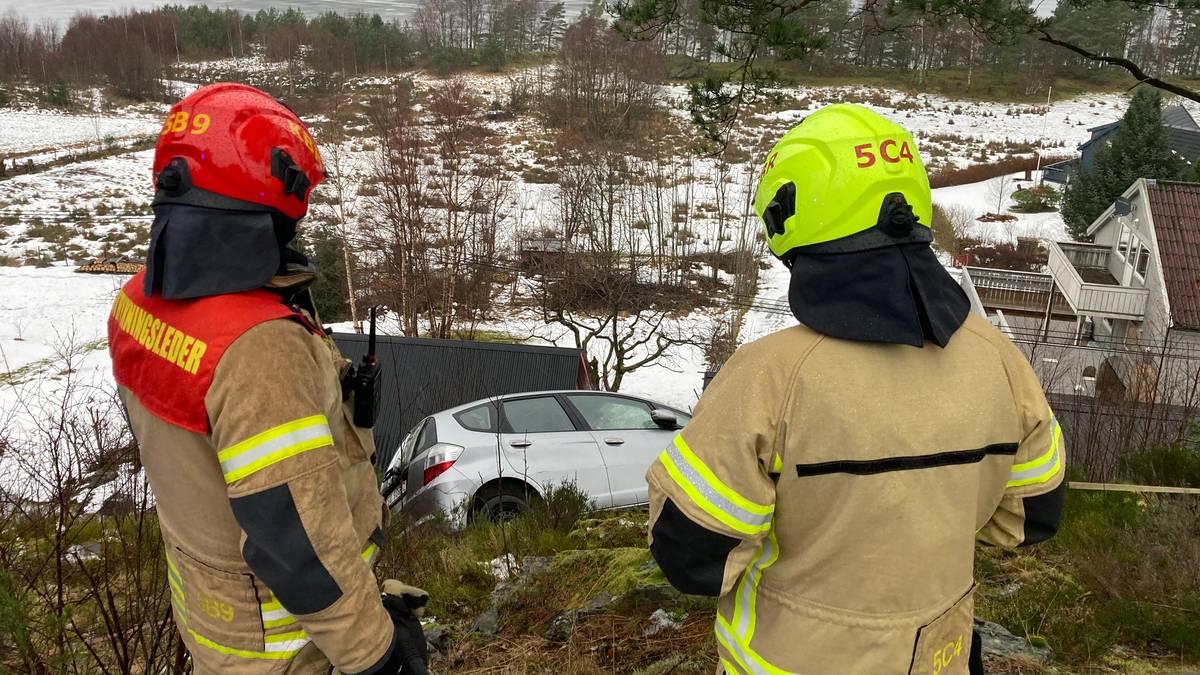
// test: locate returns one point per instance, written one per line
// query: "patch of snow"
(48, 133)
(503, 568)
(980, 198)
(661, 620)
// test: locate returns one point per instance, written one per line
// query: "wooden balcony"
(1081, 273)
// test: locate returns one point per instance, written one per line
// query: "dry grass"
(605, 643)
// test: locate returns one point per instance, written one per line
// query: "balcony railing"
(1081, 273)
(1085, 256)
(1010, 290)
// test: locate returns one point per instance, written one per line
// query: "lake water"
(60, 11)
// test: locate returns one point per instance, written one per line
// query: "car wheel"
(503, 504)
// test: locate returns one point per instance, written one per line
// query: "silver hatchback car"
(492, 457)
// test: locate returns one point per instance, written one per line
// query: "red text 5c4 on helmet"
(232, 146)
(843, 171)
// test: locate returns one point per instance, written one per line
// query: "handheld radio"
(364, 383)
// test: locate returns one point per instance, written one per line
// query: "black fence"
(423, 376)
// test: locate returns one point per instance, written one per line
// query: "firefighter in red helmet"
(262, 474)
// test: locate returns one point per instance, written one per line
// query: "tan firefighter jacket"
(831, 493)
(272, 518)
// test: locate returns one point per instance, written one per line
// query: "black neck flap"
(196, 252)
(896, 294)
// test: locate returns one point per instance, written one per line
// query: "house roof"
(1175, 208)
(1183, 133)
(424, 376)
(1178, 116)
(1186, 142)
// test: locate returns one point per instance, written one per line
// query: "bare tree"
(82, 578)
(441, 203)
(342, 208)
(617, 322)
(999, 190)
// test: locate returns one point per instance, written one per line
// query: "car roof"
(527, 394)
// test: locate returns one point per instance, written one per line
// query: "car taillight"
(439, 459)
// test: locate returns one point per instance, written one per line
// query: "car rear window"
(427, 438)
(480, 418)
(535, 415)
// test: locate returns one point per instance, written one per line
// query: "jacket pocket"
(221, 607)
(944, 645)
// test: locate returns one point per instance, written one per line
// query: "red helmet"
(232, 146)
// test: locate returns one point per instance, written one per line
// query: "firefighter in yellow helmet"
(836, 475)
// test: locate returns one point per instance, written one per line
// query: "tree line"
(129, 50)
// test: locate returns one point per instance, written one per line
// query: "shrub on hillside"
(1176, 464)
(1036, 199)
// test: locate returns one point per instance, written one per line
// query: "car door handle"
(520, 443)
(614, 441)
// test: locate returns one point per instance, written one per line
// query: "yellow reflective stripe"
(171, 568)
(745, 603)
(716, 484)
(699, 499)
(286, 643)
(1041, 469)
(244, 653)
(777, 465)
(274, 615)
(729, 668)
(178, 599)
(370, 552)
(745, 657)
(274, 445)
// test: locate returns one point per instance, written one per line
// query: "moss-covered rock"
(618, 531)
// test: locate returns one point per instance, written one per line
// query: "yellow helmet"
(844, 170)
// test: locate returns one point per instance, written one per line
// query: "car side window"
(535, 415)
(427, 438)
(612, 412)
(479, 418)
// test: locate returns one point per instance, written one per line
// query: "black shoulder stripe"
(867, 467)
(278, 550)
(691, 556)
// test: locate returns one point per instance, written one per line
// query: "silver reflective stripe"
(744, 659)
(274, 445)
(288, 646)
(1044, 468)
(749, 587)
(715, 498)
(275, 614)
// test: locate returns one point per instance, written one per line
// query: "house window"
(1123, 244)
(1143, 261)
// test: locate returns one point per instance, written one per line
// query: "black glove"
(410, 655)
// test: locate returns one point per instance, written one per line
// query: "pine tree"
(1078, 202)
(1138, 149)
(324, 251)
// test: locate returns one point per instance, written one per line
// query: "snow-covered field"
(23, 132)
(959, 132)
(101, 207)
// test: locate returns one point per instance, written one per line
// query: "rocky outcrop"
(999, 644)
